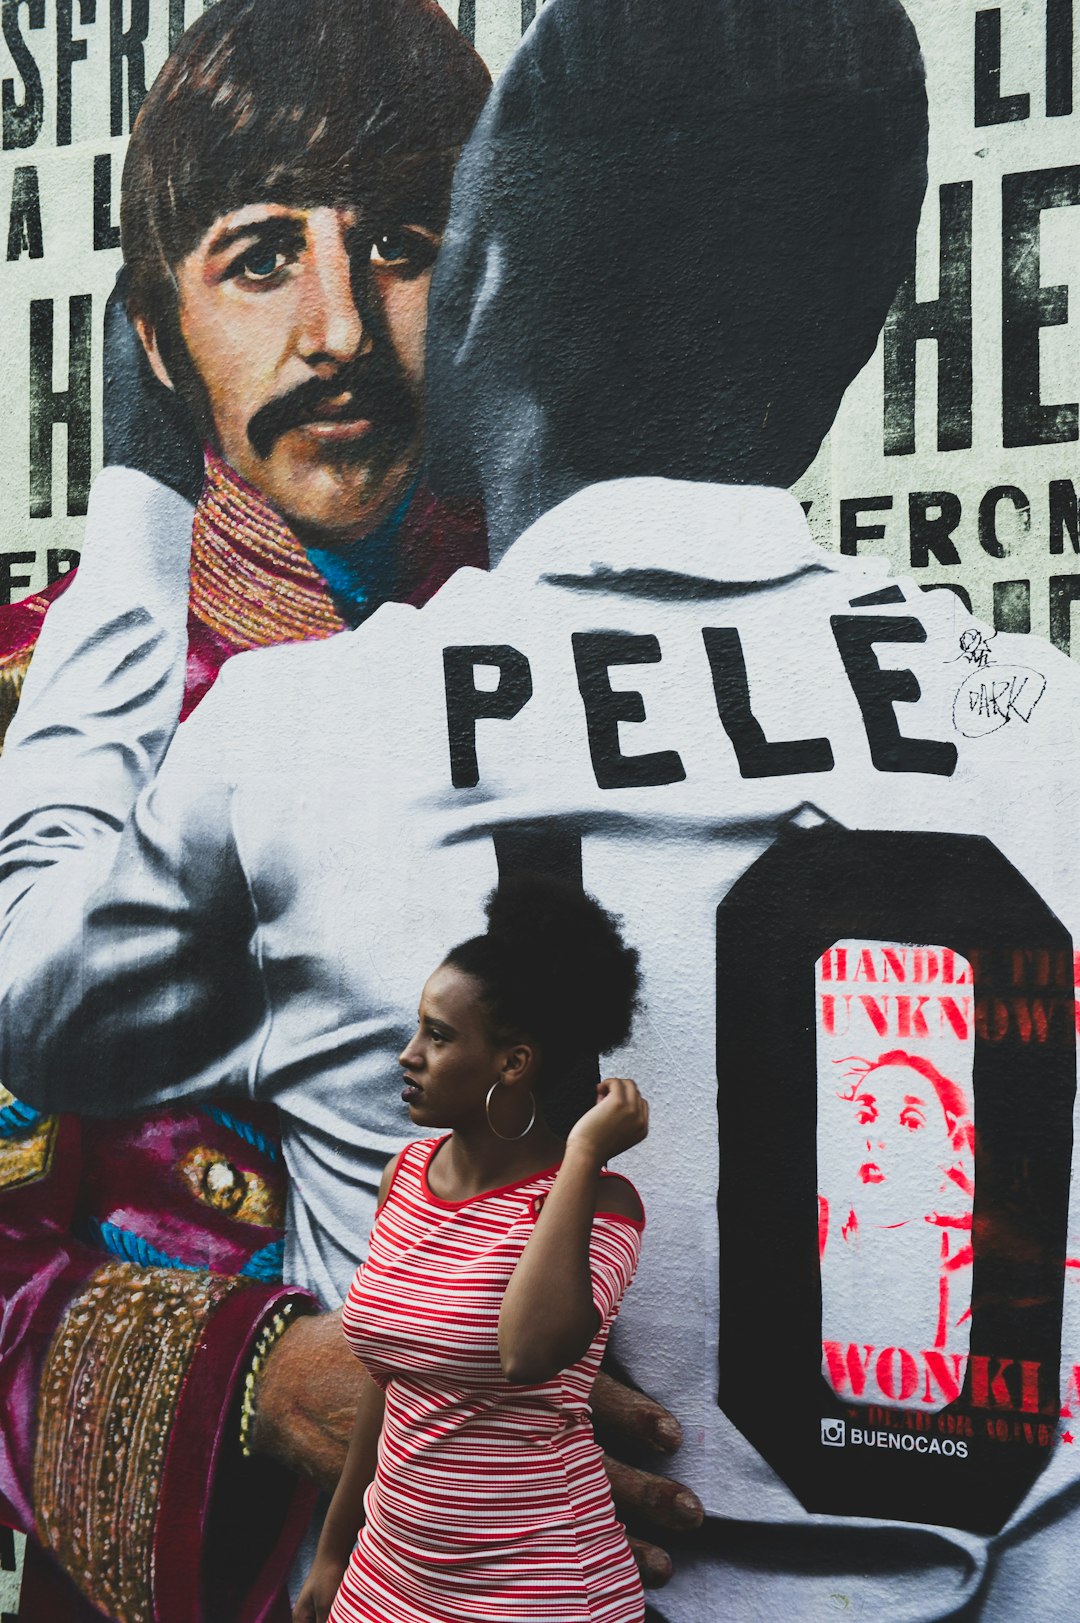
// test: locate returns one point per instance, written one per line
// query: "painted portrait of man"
(279, 232)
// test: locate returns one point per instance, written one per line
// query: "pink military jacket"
(111, 1230)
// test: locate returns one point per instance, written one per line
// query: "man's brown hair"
(300, 102)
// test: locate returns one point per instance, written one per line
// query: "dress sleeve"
(614, 1251)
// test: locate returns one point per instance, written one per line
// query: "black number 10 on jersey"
(846, 1427)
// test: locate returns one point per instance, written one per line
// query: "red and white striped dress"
(490, 1501)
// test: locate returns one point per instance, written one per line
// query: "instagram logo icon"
(833, 1433)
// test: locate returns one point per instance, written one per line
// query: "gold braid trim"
(109, 1393)
(251, 580)
(268, 1339)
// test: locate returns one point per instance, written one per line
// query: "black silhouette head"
(674, 237)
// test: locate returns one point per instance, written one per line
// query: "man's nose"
(407, 1056)
(333, 331)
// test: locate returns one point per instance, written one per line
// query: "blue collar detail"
(365, 573)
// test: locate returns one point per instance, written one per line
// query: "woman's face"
(450, 1063)
(903, 1144)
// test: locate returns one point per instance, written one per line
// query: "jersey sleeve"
(125, 976)
(614, 1251)
(128, 976)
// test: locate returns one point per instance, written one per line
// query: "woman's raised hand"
(618, 1120)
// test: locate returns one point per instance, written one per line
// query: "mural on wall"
(682, 275)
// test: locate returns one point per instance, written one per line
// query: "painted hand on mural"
(306, 1408)
(629, 1421)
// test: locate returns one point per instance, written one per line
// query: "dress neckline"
(485, 1194)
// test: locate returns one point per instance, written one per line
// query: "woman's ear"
(519, 1064)
(148, 340)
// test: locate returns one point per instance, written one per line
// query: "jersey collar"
(711, 534)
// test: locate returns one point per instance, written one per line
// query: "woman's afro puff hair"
(553, 965)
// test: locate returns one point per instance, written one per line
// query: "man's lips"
(411, 1092)
(335, 430)
(340, 419)
(870, 1172)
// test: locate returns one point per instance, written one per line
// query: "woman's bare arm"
(548, 1317)
(346, 1510)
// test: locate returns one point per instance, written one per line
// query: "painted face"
(903, 1145)
(306, 328)
(450, 1063)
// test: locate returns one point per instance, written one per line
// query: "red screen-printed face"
(896, 1164)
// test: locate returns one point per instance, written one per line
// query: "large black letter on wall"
(466, 704)
(1027, 306)
(22, 119)
(933, 515)
(878, 690)
(1064, 515)
(1059, 58)
(989, 539)
(991, 107)
(947, 319)
(126, 45)
(1064, 592)
(852, 531)
(594, 654)
(70, 406)
(24, 222)
(10, 581)
(106, 234)
(69, 50)
(757, 757)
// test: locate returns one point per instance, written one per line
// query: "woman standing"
(499, 1256)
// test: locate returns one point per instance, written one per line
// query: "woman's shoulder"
(617, 1197)
(416, 1153)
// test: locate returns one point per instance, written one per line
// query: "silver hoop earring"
(507, 1138)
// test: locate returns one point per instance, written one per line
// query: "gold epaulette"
(25, 1152)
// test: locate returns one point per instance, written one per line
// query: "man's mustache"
(373, 388)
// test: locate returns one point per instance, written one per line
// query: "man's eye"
(259, 264)
(403, 250)
(912, 1120)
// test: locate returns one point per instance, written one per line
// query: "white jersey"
(791, 776)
